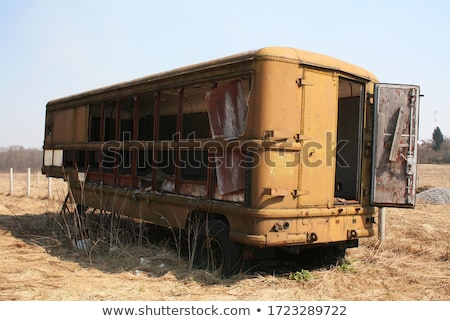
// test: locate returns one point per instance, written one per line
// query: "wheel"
(215, 251)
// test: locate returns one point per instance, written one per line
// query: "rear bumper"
(319, 226)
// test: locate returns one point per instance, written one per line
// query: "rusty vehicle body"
(272, 148)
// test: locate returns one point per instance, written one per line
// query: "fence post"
(11, 181)
(381, 224)
(29, 182)
(50, 196)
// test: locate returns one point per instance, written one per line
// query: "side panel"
(395, 145)
(81, 125)
(275, 116)
(318, 165)
(67, 126)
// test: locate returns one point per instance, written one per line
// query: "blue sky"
(51, 49)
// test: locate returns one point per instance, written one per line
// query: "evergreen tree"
(438, 138)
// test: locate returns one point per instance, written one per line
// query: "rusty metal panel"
(227, 110)
(80, 124)
(67, 126)
(394, 160)
(63, 126)
(230, 171)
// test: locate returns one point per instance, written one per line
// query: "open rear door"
(396, 110)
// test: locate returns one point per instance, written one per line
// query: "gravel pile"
(437, 195)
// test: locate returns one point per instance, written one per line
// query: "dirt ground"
(39, 263)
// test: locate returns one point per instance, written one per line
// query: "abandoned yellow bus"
(272, 148)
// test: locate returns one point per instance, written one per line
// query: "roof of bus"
(315, 59)
(287, 54)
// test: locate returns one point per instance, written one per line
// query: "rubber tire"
(216, 252)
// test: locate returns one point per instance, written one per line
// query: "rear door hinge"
(299, 137)
(296, 193)
(301, 82)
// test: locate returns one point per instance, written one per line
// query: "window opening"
(95, 117)
(110, 121)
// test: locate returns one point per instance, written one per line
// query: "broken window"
(168, 106)
(110, 121)
(146, 109)
(126, 119)
(95, 118)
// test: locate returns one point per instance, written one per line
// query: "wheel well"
(211, 244)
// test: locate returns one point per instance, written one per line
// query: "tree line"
(427, 152)
(20, 158)
(436, 150)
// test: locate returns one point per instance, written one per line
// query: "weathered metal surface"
(230, 171)
(199, 189)
(227, 110)
(67, 126)
(291, 127)
(395, 145)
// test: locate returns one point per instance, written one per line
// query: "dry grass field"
(38, 262)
